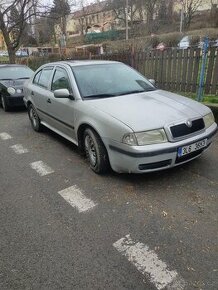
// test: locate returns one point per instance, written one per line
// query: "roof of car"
(11, 65)
(82, 62)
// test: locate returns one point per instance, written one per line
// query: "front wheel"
(95, 152)
(4, 104)
(34, 118)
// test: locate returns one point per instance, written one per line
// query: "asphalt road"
(150, 231)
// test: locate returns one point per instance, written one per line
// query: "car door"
(40, 91)
(61, 110)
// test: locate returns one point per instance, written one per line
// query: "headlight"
(145, 138)
(11, 91)
(130, 139)
(209, 120)
(19, 91)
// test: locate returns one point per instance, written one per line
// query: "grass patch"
(4, 59)
(213, 99)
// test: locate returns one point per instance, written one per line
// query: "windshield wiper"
(117, 94)
(5, 79)
(150, 89)
(131, 92)
(23, 78)
(99, 96)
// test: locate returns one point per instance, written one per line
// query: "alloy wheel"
(33, 117)
(91, 150)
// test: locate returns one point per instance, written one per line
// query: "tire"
(4, 104)
(34, 118)
(96, 152)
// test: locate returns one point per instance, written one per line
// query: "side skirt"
(59, 133)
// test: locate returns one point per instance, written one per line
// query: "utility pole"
(127, 28)
(181, 19)
(203, 69)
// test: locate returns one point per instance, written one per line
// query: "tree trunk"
(11, 54)
(150, 21)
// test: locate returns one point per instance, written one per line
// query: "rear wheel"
(95, 152)
(4, 104)
(34, 118)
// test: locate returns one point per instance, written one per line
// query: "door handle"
(49, 101)
(32, 93)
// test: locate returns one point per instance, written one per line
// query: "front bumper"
(15, 101)
(139, 159)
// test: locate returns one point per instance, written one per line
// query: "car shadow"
(178, 172)
(15, 110)
(157, 177)
(58, 138)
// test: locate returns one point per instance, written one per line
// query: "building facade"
(100, 17)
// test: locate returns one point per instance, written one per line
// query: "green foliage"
(153, 41)
(212, 33)
(170, 39)
(35, 62)
(194, 40)
(209, 99)
(4, 59)
(107, 35)
(60, 8)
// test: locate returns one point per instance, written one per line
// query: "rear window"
(15, 72)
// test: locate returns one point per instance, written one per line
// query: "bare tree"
(214, 13)
(14, 18)
(189, 7)
(86, 8)
(151, 7)
(17, 15)
(134, 9)
(165, 11)
(82, 15)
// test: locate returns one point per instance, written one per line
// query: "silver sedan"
(117, 117)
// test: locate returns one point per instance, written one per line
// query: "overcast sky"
(45, 2)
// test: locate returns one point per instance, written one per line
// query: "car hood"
(13, 83)
(150, 110)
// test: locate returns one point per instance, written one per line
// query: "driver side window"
(60, 80)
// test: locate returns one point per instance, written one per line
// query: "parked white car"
(117, 117)
(21, 53)
(184, 43)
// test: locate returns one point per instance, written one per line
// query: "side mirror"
(62, 93)
(152, 81)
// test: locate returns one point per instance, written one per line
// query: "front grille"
(155, 165)
(183, 129)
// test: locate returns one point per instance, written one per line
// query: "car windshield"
(109, 80)
(15, 72)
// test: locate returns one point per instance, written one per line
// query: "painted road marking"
(148, 263)
(41, 168)
(19, 149)
(5, 136)
(77, 199)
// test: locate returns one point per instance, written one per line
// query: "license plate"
(192, 147)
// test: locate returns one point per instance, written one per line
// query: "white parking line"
(19, 149)
(41, 168)
(77, 199)
(148, 263)
(5, 136)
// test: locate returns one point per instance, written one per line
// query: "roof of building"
(91, 9)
